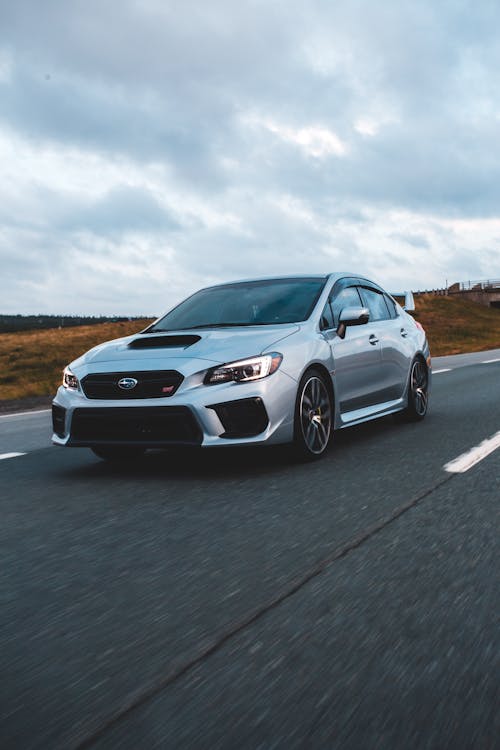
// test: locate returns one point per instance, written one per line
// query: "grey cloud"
(156, 45)
(177, 84)
(167, 83)
(86, 114)
(124, 209)
(415, 240)
(73, 275)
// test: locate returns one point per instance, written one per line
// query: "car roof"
(297, 276)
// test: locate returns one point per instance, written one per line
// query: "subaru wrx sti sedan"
(265, 361)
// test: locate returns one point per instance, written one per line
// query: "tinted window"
(245, 304)
(347, 297)
(375, 302)
(327, 318)
(391, 306)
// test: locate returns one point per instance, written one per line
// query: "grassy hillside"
(16, 323)
(31, 362)
(456, 326)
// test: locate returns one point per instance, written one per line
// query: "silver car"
(276, 360)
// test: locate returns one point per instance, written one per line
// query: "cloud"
(176, 144)
(315, 140)
(122, 209)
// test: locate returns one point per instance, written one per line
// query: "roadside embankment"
(31, 362)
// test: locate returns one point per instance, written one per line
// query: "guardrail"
(476, 286)
(440, 292)
(488, 285)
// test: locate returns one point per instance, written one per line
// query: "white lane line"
(10, 455)
(445, 369)
(490, 361)
(469, 459)
(25, 413)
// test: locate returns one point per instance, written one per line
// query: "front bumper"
(220, 415)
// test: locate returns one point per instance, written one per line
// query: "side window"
(376, 304)
(392, 307)
(347, 297)
(327, 318)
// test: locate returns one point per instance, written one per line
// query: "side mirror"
(409, 303)
(352, 316)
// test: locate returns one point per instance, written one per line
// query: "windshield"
(248, 303)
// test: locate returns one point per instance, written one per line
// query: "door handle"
(373, 340)
(404, 333)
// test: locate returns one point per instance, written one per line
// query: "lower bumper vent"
(246, 417)
(59, 420)
(146, 426)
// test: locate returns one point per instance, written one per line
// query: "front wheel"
(117, 453)
(313, 416)
(418, 392)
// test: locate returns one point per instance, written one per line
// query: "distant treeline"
(14, 323)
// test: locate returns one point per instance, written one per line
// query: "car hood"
(164, 350)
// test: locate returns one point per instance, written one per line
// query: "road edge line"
(473, 456)
(25, 413)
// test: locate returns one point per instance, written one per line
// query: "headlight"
(244, 370)
(70, 381)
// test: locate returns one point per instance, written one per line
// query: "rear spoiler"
(409, 304)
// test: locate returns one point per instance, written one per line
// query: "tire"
(418, 392)
(117, 453)
(313, 417)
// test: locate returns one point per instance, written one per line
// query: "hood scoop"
(164, 342)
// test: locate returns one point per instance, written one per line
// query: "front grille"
(148, 426)
(245, 417)
(150, 384)
(58, 420)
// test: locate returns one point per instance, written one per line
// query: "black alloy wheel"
(418, 391)
(313, 416)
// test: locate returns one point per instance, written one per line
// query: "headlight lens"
(70, 380)
(244, 370)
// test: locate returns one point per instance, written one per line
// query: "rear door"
(394, 343)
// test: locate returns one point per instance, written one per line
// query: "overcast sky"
(151, 147)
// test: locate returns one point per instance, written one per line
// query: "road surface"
(232, 599)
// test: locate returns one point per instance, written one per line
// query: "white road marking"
(445, 369)
(10, 455)
(24, 413)
(469, 459)
(490, 361)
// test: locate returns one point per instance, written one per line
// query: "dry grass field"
(31, 362)
(456, 326)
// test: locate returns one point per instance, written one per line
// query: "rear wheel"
(313, 416)
(418, 391)
(118, 453)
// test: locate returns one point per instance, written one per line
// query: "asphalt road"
(232, 599)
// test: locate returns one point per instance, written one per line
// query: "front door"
(357, 359)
